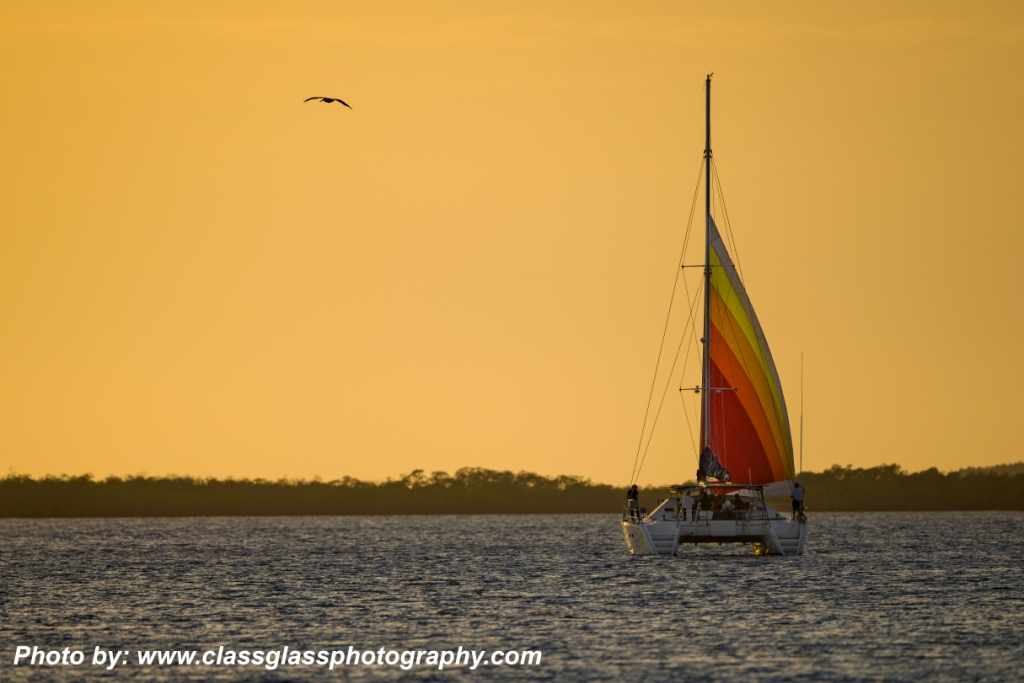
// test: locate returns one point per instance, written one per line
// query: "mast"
(706, 370)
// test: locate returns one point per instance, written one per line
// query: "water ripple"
(876, 596)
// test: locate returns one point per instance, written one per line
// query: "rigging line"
(729, 243)
(725, 211)
(661, 348)
(726, 223)
(720, 200)
(689, 223)
(690, 321)
(693, 208)
(689, 427)
(691, 324)
(661, 403)
(696, 414)
(654, 380)
(729, 240)
(669, 382)
(700, 282)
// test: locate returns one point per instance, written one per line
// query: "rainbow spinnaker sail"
(749, 425)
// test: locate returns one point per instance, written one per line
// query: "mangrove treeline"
(476, 491)
(890, 488)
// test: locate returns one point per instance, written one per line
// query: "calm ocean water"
(876, 596)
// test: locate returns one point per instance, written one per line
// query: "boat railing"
(757, 512)
(754, 513)
(632, 513)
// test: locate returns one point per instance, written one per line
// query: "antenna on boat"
(801, 415)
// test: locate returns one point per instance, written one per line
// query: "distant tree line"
(888, 487)
(469, 491)
(473, 491)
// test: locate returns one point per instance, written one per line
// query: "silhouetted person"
(633, 501)
(707, 503)
(798, 499)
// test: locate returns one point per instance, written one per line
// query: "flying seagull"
(328, 100)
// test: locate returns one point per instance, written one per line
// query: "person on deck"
(687, 507)
(727, 508)
(798, 499)
(633, 501)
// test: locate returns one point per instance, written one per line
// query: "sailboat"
(746, 446)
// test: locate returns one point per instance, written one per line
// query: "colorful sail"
(749, 425)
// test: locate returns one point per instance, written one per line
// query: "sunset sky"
(200, 274)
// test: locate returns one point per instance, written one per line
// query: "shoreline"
(476, 491)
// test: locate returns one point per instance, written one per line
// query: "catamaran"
(746, 446)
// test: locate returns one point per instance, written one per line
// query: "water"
(876, 596)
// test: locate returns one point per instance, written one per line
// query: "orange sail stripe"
(736, 438)
(734, 376)
(748, 364)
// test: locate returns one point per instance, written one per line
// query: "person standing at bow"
(798, 499)
(633, 501)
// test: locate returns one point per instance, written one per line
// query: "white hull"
(662, 533)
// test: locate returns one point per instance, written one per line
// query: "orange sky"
(200, 274)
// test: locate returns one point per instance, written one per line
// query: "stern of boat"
(663, 531)
(637, 542)
(783, 536)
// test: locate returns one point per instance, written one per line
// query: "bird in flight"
(328, 100)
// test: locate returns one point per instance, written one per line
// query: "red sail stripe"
(733, 374)
(735, 437)
(733, 335)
